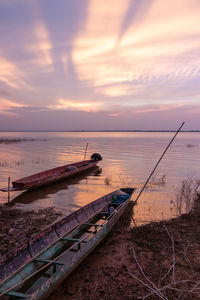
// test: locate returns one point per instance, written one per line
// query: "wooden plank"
(96, 225)
(47, 261)
(70, 239)
(15, 294)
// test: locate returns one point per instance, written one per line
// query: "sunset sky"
(99, 65)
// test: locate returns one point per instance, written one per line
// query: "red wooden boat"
(55, 174)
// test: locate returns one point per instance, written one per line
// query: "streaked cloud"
(42, 49)
(6, 107)
(113, 59)
(11, 75)
(158, 49)
(116, 91)
(77, 105)
(41, 46)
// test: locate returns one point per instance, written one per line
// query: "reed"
(19, 140)
(107, 180)
(157, 181)
(187, 197)
(19, 163)
(3, 163)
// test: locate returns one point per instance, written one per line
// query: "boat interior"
(26, 279)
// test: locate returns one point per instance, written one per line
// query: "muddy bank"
(131, 263)
(17, 225)
(163, 256)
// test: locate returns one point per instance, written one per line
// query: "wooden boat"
(36, 267)
(55, 174)
(29, 196)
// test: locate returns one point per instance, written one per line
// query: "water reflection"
(128, 159)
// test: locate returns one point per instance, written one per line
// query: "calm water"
(128, 159)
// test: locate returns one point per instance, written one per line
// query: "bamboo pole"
(159, 162)
(85, 151)
(8, 189)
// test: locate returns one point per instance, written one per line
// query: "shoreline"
(140, 263)
(131, 262)
(18, 225)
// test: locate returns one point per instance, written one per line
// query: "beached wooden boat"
(55, 174)
(35, 268)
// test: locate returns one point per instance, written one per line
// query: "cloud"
(6, 106)
(116, 90)
(143, 117)
(158, 52)
(137, 58)
(77, 105)
(42, 48)
(11, 75)
(135, 11)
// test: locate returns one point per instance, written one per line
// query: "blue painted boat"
(35, 268)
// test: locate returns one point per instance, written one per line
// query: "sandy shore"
(132, 263)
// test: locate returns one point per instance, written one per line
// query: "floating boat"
(29, 196)
(55, 174)
(36, 267)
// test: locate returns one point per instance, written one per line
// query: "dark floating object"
(35, 268)
(96, 156)
(53, 175)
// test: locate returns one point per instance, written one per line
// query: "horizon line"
(119, 130)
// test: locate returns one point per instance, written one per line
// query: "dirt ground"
(164, 256)
(17, 225)
(154, 261)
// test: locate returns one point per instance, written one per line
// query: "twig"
(154, 287)
(186, 257)
(170, 288)
(173, 251)
(190, 291)
(167, 273)
(154, 291)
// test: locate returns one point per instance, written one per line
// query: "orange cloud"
(153, 109)
(155, 47)
(42, 47)
(115, 91)
(6, 105)
(77, 105)
(11, 74)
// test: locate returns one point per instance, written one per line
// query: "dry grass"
(3, 163)
(108, 180)
(187, 196)
(19, 163)
(157, 181)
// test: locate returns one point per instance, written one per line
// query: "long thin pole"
(8, 189)
(85, 151)
(159, 162)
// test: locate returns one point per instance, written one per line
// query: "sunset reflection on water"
(128, 159)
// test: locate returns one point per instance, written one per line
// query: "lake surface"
(128, 159)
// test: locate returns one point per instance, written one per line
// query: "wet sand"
(164, 256)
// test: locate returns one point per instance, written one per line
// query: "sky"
(99, 65)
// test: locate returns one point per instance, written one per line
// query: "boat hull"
(46, 289)
(63, 246)
(53, 175)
